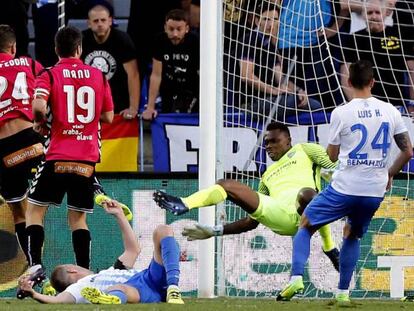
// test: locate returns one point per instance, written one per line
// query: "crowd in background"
(277, 60)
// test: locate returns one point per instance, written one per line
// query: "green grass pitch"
(219, 304)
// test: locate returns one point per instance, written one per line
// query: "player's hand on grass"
(201, 232)
(25, 284)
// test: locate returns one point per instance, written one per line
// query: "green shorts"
(281, 219)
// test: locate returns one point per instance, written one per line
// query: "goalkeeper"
(286, 187)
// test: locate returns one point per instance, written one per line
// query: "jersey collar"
(70, 60)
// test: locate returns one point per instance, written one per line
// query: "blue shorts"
(330, 205)
(151, 283)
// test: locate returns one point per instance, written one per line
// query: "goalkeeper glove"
(326, 174)
(202, 232)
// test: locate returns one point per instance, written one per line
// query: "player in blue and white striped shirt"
(120, 283)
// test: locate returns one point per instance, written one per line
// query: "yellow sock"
(206, 197)
(327, 241)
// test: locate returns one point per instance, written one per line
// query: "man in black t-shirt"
(175, 68)
(113, 52)
(391, 55)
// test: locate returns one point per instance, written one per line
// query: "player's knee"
(351, 233)
(35, 214)
(18, 212)
(131, 293)
(224, 183)
(304, 197)
(304, 222)
(77, 220)
(162, 231)
(232, 187)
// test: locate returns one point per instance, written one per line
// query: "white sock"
(343, 291)
(293, 278)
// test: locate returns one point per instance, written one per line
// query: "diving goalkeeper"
(286, 187)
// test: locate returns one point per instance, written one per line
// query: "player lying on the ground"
(120, 283)
(37, 271)
(286, 187)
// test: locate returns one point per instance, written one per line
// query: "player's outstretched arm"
(27, 285)
(202, 232)
(131, 245)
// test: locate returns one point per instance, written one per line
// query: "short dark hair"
(7, 37)
(105, 4)
(176, 15)
(67, 41)
(59, 278)
(265, 7)
(361, 74)
(278, 126)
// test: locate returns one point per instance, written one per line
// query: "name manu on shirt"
(76, 74)
(15, 62)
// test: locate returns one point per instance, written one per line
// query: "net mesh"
(287, 61)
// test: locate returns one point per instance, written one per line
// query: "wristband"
(218, 230)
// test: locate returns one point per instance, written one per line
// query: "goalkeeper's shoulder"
(318, 155)
(312, 149)
(309, 147)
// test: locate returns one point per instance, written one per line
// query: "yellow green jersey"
(298, 168)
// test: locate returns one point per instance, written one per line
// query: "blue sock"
(348, 258)
(170, 254)
(301, 251)
(120, 294)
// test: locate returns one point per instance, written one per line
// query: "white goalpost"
(257, 67)
(61, 13)
(210, 123)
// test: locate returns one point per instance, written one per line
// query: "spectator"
(113, 52)
(76, 97)
(143, 30)
(78, 9)
(193, 14)
(382, 45)
(260, 71)
(175, 68)
(359, 21)
(302, 44)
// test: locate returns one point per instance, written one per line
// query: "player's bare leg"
(35, 233)
(232, 190)
(18, 210)
(81, 237)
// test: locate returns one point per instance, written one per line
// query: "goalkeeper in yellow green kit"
(286, 187)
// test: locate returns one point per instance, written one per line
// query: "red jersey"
(77, 94)
(17, 81)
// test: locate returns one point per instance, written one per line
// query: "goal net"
(287, 61)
